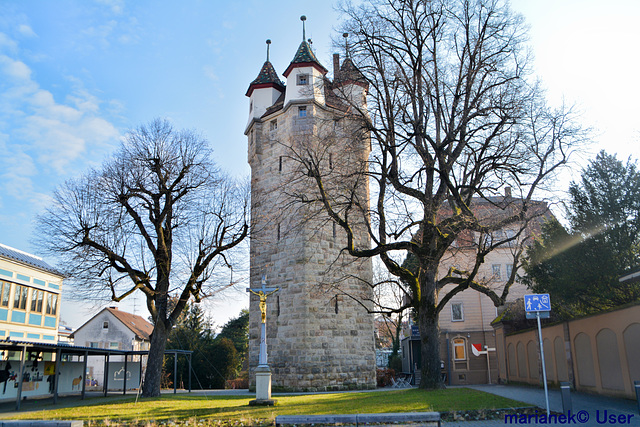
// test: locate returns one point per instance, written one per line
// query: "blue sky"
(75, 75)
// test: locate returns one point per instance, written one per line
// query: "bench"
(361, 419)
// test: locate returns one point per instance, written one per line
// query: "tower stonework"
(319, 333)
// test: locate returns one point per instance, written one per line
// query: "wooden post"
(190, 372)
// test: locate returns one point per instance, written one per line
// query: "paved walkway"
(590, 410)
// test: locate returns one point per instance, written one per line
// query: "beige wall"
(599, 354)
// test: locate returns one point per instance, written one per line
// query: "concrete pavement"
(588, 410)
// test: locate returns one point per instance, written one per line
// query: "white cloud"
(15, 69)
(116, 6)
(6, 42)
(26, 31)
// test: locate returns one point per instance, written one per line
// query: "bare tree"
(157, 218)
(453, 120)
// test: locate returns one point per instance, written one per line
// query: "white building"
(112, 329)
(29, 297)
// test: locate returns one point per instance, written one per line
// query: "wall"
(598, 354)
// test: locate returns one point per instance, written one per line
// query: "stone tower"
(319, 336)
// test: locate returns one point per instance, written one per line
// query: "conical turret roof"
(350, 74)
(304, 57)
(266, 78)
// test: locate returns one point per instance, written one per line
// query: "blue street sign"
(537, 302)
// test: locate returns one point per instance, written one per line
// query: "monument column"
(263, 372)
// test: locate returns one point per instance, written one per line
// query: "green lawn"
(234, 410)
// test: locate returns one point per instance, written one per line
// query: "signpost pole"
(544, 369)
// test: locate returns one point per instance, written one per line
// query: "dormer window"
(303, 79)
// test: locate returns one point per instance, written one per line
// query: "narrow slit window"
(335, 232)
(280, 164)
(330, 161)
(278, 237)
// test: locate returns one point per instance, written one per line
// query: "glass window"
(114, 345)
(273, 124)
(302, 111)
(20, 297)
(459, 349)
(509, 270)
(94, 344)
(6, 294)
(105, 325)
(52, 303)
(496, 271)
(36, 301)
(303, 79)
(457, 314)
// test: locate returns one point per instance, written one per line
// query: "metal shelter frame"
(25, 347)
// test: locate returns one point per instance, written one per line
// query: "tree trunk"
(429, 331)
(430, 349)
(153, 375)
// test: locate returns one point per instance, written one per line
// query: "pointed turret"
(348, 81)
(305, 74)
(265, 89)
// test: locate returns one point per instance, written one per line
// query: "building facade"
(112, 329)
(466, 319)
(29, 297)
(317, 338)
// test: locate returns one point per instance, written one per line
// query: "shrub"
(385, 376)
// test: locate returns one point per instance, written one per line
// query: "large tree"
(580, 266)
(157, 218)
(453, 120)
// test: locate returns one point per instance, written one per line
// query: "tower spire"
(303, 18)
(268, 44)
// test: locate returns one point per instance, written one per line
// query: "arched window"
(459, 348)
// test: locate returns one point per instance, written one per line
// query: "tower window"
(278, 237)
(303, 79)
(330, 161)
(280, 164)
(251, 106)
(302, 111)
(334, 230)
(273, 124)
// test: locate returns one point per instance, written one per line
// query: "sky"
(75, 75)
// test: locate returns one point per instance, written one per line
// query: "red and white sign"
(477, 349)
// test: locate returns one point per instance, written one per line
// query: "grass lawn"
(234, 410)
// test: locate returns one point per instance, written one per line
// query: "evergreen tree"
(580, 267)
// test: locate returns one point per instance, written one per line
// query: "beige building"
(29, 297)
(466, 318)
(316, 338)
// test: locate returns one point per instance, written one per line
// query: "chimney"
(507, 191)
(336, 65)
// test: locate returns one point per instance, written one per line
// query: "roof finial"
(346, 44)
(268, 43)
(303, 18)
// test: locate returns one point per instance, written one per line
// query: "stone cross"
(263, 293)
